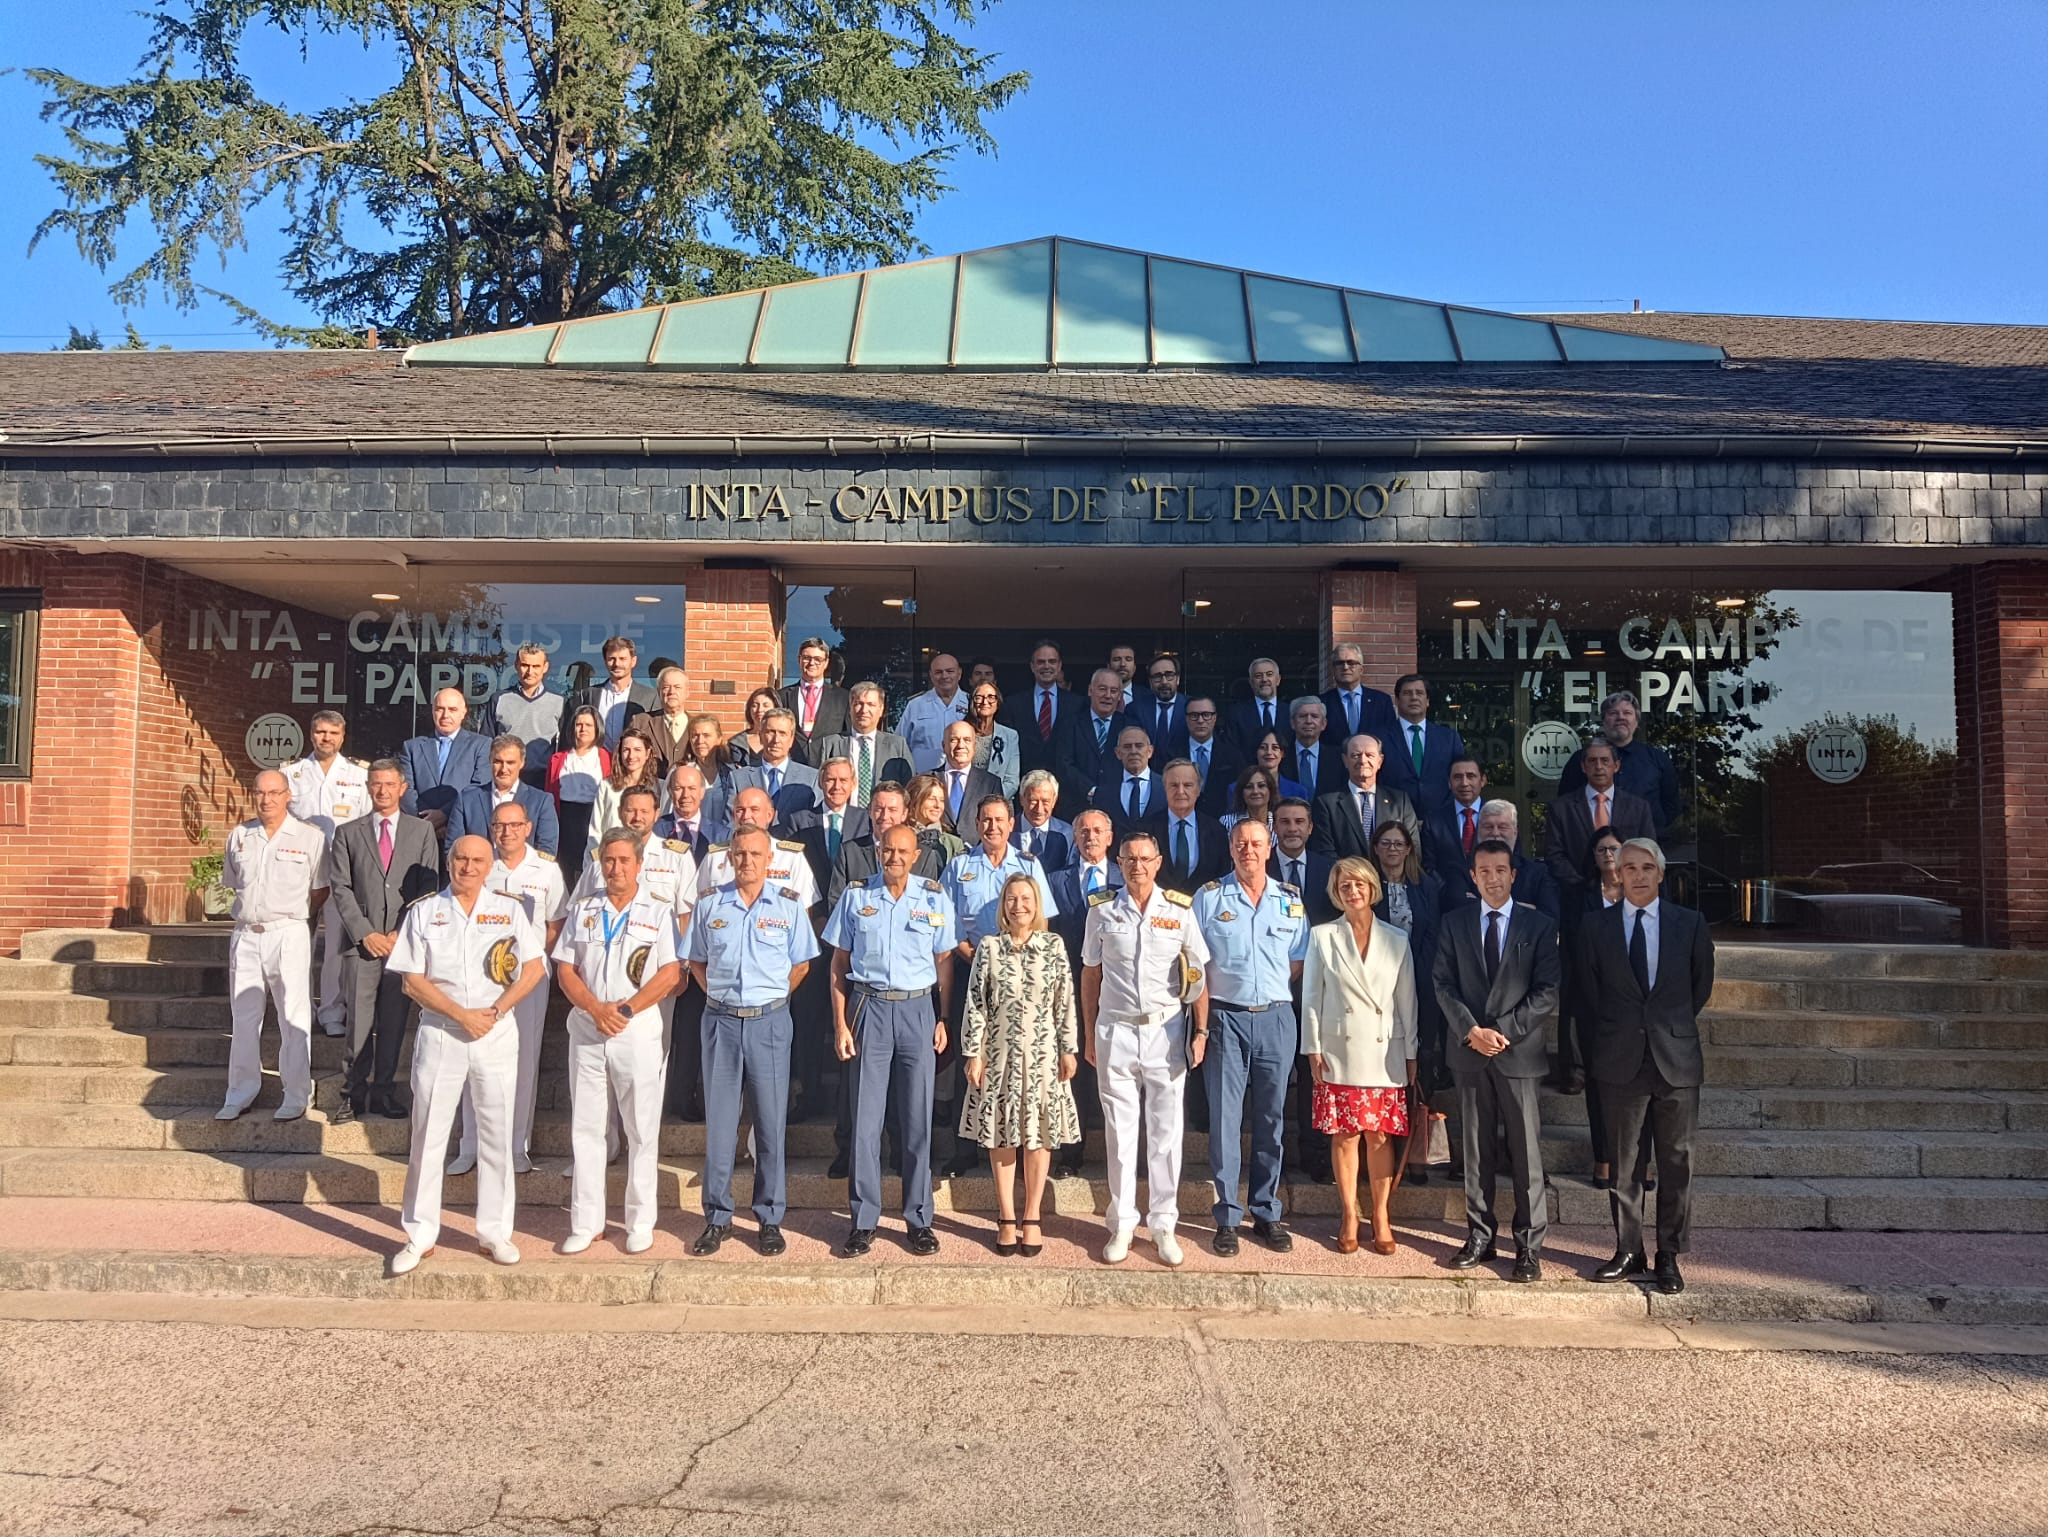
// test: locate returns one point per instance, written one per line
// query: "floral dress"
(1020, 1019)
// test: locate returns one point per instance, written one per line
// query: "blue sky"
(1797, 157)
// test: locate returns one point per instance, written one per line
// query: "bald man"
(446, 761)
(276, 866)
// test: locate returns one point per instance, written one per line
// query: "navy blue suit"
(1443, 843)
(1110, 798)
(1331, 775)
(1056, 845)
(1534, 884)
(472, 814)
(1315, 882)
(1078, 763)
(1431, 789)
(1645, 770)
(711, 828)
(1225, 764)
(1170, 734)
(799, 790)
(1425, 906)
(1376, 717)
(430, 787)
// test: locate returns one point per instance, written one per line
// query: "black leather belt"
(737, 1012)
(1242, 1008)
(894, 994)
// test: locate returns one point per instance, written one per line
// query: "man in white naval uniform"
(468, 956)
(1135, 953)
(925, 717)
(617, 959)
(526, 873)
(329, 790)
(276, 866)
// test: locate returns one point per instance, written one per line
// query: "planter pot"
(218, 902)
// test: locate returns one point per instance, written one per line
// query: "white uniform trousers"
(531, 1015)
(448, 1070)
(629, 1068)
(1145, 1067)
(276, 964)
(333, 990)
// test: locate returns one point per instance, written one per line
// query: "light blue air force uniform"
(748, 953)
(1252, 1036)
(892, 945)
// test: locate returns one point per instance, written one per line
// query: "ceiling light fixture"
(1464, 603)
(645, 597)
(383, 597)
(1731, 602)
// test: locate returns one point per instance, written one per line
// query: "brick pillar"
(2001, 645)
(732, 640)
(1375, 611)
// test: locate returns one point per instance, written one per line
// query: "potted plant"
(215, 899)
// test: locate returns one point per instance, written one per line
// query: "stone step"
(1881, 995)
(82, 1011)
(125, 978)
(203, 944)
(1741, 1067)
(1906, 962)
(1919, 1032)
(1835, 1109)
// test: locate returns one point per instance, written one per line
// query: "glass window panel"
(1488, 338)
(529, 345)
(1005, 305)
(709, 331)
(809, 323)
(868, 619)
(1101, 305)
(907, 318)
(617, 341)
(1198, 314)
(1585, 344)
(1299, 323)
(18, 615)
(1399, 330)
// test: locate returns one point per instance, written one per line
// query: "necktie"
(1094, 883)
(1165, 715)
(1365, 815)
(1294, 874)
(689, 832)
(774, 783)
(1639, 954)
(1305, 767)
(384, 842)
(959, 786)
(1033, 844)
(1101, 733)
(1183, 861)
(810, 705)
(1492, 945)
(832, 837)
(1266, 713)
(441, 755)
(1045, 715)
(1471, 830)
(1202, 763)
(1415, 748)
(1131, 807)
(1600, 810)
(867, 766)
(1351, 710)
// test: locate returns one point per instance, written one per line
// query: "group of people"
(1121, 902)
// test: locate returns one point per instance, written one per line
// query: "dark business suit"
(1314, 886)
(1646, 1055)
(640, 700)
(710, 829)
(1340, 829)
(1376, 717)
(1072, 926)
(1112, 797)
(431, 786)
(1314, 883)
(808, 828)
(1534, 884)
(1167, 726)
(472, 814)
(1244, 724)
(1330, 773)
(1425, 910)
(1224, 765)
(978, 784)
(1645, 770)
(811, 1005)
(834, 716)
(1443, 845)
(372, 900)
(1211, 855)
(799, 790)
(1055, 849)
(1020, 714)
(1431, 788)
(1519, 999)
(1078, 763)
(1568, 833)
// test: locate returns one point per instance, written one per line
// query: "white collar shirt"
(472, 957)
(616, 950)
(537, 881)
(1139, 949)
(274, 876)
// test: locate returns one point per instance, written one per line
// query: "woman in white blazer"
(995, 745)
(1358, 1033)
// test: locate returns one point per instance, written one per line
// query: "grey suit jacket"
(799, 787)
(369, 898)
(1520, 1000)
(892, 756)
(1568, 832)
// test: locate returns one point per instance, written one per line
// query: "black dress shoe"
(1527, 1268)
(1477, 1251)
(1225, 1241)
(1273, 1235)
(1066, 1163)
(1621, 1267)
(709, 1240)
(772, 1241)
(1669, 1281)
(923, 1241)
(1419, 1175)
(1574, 1083)
(390, 1106)
(841, 1164)
(859, 1241)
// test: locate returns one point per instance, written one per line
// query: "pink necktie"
(384, 842)
(810, 705)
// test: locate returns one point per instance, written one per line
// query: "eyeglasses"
(1162, 677)
(1201, 715)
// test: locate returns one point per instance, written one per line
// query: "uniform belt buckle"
(254, 928)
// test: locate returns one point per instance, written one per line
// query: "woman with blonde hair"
(1020, 1042)
(1358, 1033)
(924, 804)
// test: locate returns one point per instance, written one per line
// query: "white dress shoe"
(521, 1164)
(287, 1112)
(639, 1243)
(506, 1253)
(1168, 1247)
(407, 1260)
(575, 1243)
(462, 1163)
(335, 1029)
(229, 1112)
(1118, 1247)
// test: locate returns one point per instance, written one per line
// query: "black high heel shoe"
(1006, 1249)
(1030, 1250)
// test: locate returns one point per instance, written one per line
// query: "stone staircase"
(1849, 1088)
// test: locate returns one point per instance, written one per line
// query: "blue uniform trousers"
(893, 1050)
(1250, 1055)
(744, 1054)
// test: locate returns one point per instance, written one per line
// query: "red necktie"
(810, 705)
(384, 842)
(1469, 839)
(1045, 715)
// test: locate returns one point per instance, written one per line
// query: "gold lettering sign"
(1145, 503)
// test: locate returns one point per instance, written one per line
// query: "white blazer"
(1359, 1014)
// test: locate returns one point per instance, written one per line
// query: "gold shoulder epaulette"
(675, 845)
(716, 848)
(784, 843)
(1106, 894)
(1177, 898)
(544, 854)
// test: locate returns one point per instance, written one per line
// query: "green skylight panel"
(709, 333)
(1399, 330)
(906, 320)
(612, 341)
(1488, 338)
(1298, 322)
(1101, 305)
(809, 324)
(1585, 344)
(494, 349)
(1198, 314)
(1006, 306)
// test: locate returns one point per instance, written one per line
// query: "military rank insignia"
(501, 961)
(636, 964)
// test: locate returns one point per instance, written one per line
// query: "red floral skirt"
(1344, 1109)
